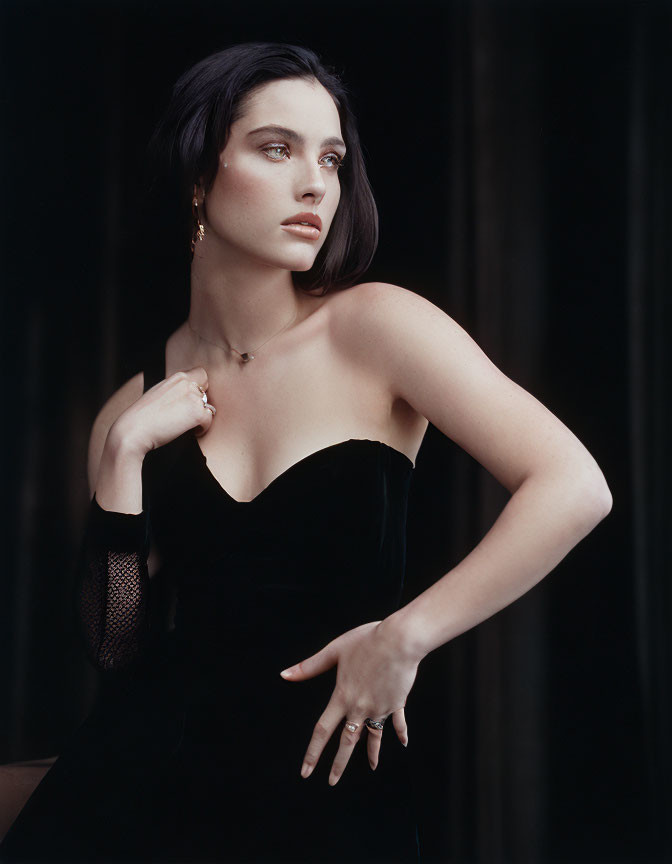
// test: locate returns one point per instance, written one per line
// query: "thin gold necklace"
(246, 356)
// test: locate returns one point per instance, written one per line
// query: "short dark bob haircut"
(194, 129)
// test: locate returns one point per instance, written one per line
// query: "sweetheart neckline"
(302, 461)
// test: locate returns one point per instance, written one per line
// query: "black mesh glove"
(111, 591)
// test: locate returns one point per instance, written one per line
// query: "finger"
(199, 375)
(313, 665)
(199, 390)
(374, 740)
(206, 411)
(399, 723)
(348, 741)
(322, 732)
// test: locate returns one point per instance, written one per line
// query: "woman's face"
(268, 176)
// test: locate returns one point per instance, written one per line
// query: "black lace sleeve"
(112, 587)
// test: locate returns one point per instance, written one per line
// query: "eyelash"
(338, 160)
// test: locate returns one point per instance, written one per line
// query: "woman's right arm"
(112, 579)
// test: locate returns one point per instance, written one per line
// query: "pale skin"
(374, 361)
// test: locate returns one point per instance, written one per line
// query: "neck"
(239, 305)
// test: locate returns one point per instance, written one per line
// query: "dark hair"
(194, 129)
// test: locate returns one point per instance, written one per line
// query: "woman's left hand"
(373, 679)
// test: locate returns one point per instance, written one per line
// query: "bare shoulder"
(433, 364)
(368, 326)
(372, 307)
(122, 398)
(374, 322)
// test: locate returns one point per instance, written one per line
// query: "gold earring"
(199, 229)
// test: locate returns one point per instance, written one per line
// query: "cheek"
(243, 180)
(245, 191)
(337, 195)
(331, 203)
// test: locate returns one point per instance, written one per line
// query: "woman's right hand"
(164, 412)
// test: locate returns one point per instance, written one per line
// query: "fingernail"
(405, 742)
(286, 673)
(306, 769)
(333, 779)
(373, 767)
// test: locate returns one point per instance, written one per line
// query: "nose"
(311, 181)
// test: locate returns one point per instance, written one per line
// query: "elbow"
(594, 496)
(603, 500)
(607, 499)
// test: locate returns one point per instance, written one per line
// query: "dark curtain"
(519, 153)
(649, 298)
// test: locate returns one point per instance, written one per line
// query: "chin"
(303, 268)
(299, 263)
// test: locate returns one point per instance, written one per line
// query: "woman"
(265, 452)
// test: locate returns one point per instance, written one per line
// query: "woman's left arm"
(558, 493)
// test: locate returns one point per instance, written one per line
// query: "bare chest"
(275, 410)
(249, 444)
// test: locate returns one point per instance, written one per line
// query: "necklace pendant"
(247, 357)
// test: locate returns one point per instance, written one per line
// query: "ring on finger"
(206, 404)
(350, 726)
(374, 724)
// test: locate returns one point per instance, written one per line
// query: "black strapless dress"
(195, 753)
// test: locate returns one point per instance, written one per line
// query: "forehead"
(305, 106)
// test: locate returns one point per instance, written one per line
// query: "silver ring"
(211, 408)
(350, 726)
(374, 724)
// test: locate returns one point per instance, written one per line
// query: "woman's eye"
(337, 160)
(276, 152)
(275, 147)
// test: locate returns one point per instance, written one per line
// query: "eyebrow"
(294, 136)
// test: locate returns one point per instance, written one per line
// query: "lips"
(310, 218)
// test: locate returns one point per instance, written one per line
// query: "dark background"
(519, 153)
